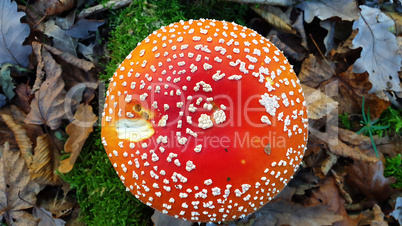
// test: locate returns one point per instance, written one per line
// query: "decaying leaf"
(47, 107)
(315, 71)
(23, 97)
(6, 81)
(45, 162)
(318, 104)
(82, 27)
(352, 88)
(283, 212)
(17, 190)
(328, 194)
(12, 35)
(79, 130)
(276, 17)
(45, 217)
(368, 179)
(325, 9)
(379, 50)
(23, 141)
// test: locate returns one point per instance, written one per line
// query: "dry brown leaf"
(315, 70)
(51, 7)
(318, 104)
(368, 179)
(79, 130)
(346, 149)
(276, 17)
(45, 162)
(23, 141)
(58, 206)
(48, 107)
(283, 212)
(352, 88)
(328, 194)
(40, 72)
(17, 190)
(23, 97)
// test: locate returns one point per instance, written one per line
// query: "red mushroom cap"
(205, 120)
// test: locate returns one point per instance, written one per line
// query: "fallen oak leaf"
(47, 107)
(61, 39)
(79, 130)
(12, 35)
(379, 57)
(17, 190)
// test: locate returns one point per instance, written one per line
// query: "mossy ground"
(101, 196)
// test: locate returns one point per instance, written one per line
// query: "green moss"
(99, 191)
(393, 168)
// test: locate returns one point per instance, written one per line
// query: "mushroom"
(205, 121)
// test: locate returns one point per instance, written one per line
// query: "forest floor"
(59, 53)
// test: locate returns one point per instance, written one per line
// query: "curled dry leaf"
(315, 70)
(352, 88)
(45, 162)
(368, 178)
(21, 137)
(318, 104)
(79, 130)
(45, 217)
(283, 212)
(378, 217)
(276, 17)
(47, 107)
(328, 194)
(17, 190)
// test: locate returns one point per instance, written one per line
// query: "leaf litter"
(341, 182)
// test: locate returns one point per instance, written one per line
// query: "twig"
(114, 4)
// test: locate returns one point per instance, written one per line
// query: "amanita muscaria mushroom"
(205, 121)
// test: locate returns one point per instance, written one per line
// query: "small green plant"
(369, 128)
(346, 121)
(393, 168)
